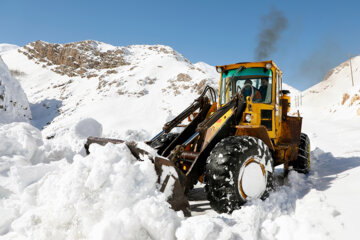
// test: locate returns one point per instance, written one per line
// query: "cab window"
(253, 82)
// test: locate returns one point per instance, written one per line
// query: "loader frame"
(214, 120)
(191, 148)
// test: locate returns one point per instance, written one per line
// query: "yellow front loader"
(233, 144)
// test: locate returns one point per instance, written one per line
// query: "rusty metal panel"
(285, 153)
(177, 200)
(291, 130)
(255, 131)
(101, 141)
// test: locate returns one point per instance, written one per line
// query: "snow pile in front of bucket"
(106, 195)
(111, 195)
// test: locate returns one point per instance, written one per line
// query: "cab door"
(278, 109)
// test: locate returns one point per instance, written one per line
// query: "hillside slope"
(335, 97)
(4, 47)
(332, 107)
(118, 86)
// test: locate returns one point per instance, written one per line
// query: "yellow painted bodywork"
(213, 108)
(255, 108)
(211, 131)
(287, 97)
(284, 136)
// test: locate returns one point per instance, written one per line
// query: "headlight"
(268, 66)
(248, 118)
(219, 69)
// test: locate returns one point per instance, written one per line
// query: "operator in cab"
(250, 90)
(263, 88)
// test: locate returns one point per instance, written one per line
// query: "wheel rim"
(252, 179)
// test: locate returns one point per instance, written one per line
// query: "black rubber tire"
(303, 162)
(163, 141)
(223, 166)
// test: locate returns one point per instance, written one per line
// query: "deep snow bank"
(106, 195)
(14, 105)
(110, 195)
(294, 211)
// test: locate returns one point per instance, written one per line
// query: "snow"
(19, 143)
(102, 47)
(253, 180)
(88, 127)
(148, 86)
(330, 94)
(4, 47)
(294, 211)
(209, 70)
(14, 105)
(49, 188)
(107, 193)
(336, 121)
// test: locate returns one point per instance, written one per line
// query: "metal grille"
(266, 119)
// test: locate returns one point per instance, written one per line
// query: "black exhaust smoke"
(273, 24)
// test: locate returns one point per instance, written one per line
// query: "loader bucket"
(170, 178)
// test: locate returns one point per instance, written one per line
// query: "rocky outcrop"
(74, 59)
(129, 71)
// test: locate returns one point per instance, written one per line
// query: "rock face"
(75, 59)
(14, 105)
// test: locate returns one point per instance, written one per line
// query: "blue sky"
(319, 34)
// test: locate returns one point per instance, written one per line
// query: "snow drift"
(111, 195)
(14, 105)
(106, 195)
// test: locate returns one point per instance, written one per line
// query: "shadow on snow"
(44, 112)
(325, 168)
(328, 168)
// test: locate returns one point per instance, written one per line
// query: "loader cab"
(260, 84)
(254, 82)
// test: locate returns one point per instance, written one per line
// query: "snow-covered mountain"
(336, 97)
(135, 87)
(333, 107)
(14, 105)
